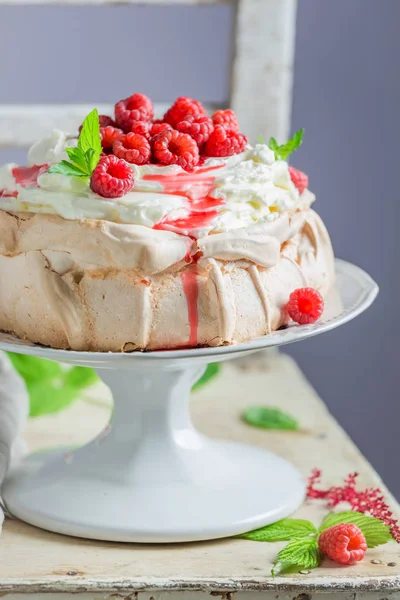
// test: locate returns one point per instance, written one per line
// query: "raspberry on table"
(158, 127)
(181, 107)
(112, 178)
(171, 147)
(137, 107)
(226, 118)
(142, 128)
(198, 127)
(299, 179)
(109, 135)
(305, 305)
(133, 148)
(223, 142)
(343, 543)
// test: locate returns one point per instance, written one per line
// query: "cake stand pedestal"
(150, 476)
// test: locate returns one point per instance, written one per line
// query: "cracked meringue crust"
(103, 286)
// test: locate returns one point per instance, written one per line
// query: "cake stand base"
(150, 476)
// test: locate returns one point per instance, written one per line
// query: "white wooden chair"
(261, 75)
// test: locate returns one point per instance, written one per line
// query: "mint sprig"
(267, 417)
(84, 158)
(283, 151)
(302, 551)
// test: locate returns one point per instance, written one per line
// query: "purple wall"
(346, 95)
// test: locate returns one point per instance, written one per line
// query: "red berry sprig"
(370, 501)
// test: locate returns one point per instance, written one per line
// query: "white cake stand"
(150, 476)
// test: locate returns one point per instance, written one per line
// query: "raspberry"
(142, 128)
(343, 543)
(299, 179)
(106, 121)
(199, 128)
(171, 147)
(109, 135)
(158, 127)
(112, 177)
(225, 143)
(181, 107)
(226, 118)
(135, 108)
(305, 305)
(133, 148)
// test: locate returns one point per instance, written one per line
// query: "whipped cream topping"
(221, 195)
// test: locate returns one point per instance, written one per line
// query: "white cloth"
(14, 411)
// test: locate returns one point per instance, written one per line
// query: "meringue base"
(118, 297)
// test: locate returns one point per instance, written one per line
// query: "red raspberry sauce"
(202, 209)
(191, 291)
(27, 176)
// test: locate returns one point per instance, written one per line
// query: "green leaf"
(261, 139)
(282, 531)
(91, 159)
(89, 138)
(49, 396)
(300, 552)
(269, 418)
(66, 168)
(86, 156)
(79, 159)
(211, 371)
(80, 377)
(31, 368)
(51, 386)
(282, 152)
(273, 144)
(374, 530)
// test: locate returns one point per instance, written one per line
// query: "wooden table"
(36, 564)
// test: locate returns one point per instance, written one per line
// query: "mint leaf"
(211, 371)
(374, 530)
(261, 139)
(273, 145)
(282, 531)
(300, 552)
(86, 156)
(89, 138)
(269, 418)
(91, 159)
(78, 158)
(66, 168)
(283, 151)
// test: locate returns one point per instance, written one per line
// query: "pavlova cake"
(143, 234)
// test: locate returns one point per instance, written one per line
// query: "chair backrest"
(261, 75)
